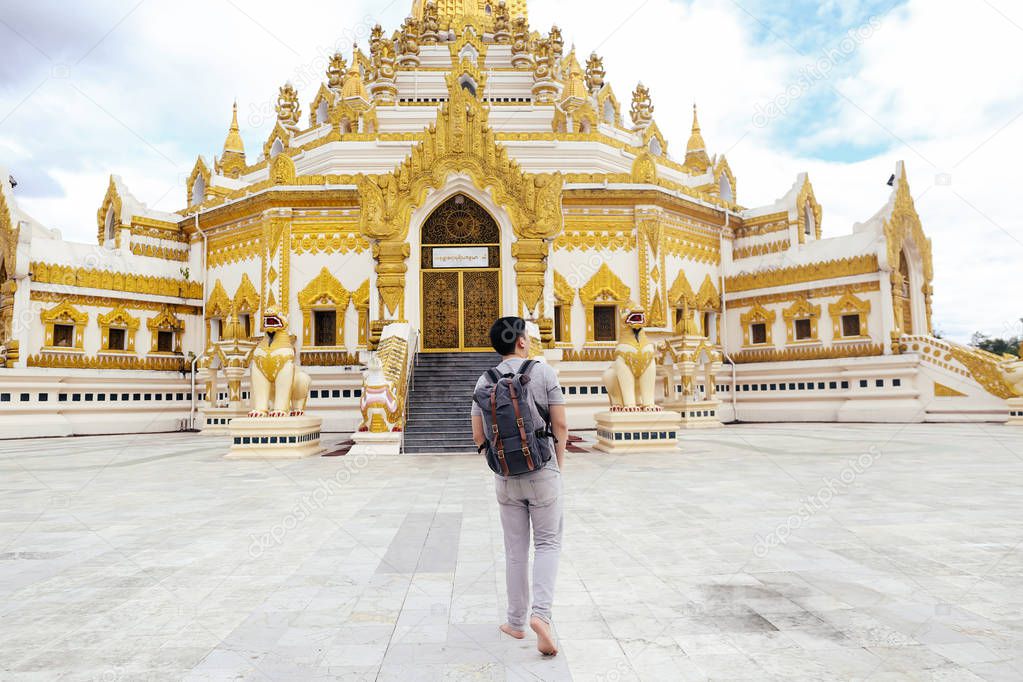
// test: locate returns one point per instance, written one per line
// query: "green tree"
(996, 345)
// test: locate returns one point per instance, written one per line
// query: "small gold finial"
(234, 142)
(697, 160)
(232, 161)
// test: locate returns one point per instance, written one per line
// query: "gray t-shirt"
(544, 390)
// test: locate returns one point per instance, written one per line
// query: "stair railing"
(980, 365)
(411, 362)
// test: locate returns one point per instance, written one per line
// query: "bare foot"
(544, 641)
(512, 632)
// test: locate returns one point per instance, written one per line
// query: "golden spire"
(574, 95)
(232, 162)
(697, 160)
(234, 142)
(354, 90)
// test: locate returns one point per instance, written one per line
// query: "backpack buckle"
(494, 428)
(525, 450)
(519, 422)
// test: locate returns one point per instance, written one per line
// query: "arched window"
(469, 52)
(655, 146)
(810, 221)
(469, 84)
(198, 190)
(109, 227)
(725, 188)
(321, 113)
(609, 112)
(276, 148)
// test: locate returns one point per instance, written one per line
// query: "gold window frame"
(801, 309)
(564, 296)
(64, 313)
(118, 318)
(165, 321)
(604, 288)
(850, 304)
(324, 292)
(755, 315)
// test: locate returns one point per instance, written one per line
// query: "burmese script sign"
(461, 257)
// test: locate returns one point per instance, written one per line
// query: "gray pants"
(532, 499)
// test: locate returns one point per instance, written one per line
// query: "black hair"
(505, 334)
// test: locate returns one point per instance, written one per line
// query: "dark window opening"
(758, 333)
(325, 324)
(557, 323)
(63, 335)
(804, 330)
(850, 325)
(165, 342)
(605, 323)
(116, 339)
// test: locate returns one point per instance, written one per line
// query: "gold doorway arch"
(461, 276)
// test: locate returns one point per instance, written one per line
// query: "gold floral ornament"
(642, 112)
(407, 43)
(288, 110)
(594, 73)
(336, 71)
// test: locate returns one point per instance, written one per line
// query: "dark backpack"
(517, 432)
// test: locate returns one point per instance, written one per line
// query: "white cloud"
(930, 86)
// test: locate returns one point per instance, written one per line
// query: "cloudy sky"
(839, 88)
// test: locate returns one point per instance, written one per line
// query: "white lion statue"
(632, 377)
(279, 389)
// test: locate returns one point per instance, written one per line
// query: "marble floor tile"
(700, 564)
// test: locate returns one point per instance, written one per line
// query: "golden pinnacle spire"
(232, 162)
(574, 94)
(697, 160)
(234, 142)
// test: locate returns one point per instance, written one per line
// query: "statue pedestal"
(216, 421)
(367, 443)
(697, 414)
(619, 432)
(275, 437)
(1015, 412)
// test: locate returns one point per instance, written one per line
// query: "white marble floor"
(797, 552)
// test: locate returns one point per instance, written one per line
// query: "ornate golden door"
(461, 276)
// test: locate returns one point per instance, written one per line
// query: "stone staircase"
(440, 399)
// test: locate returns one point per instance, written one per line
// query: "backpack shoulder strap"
(493, 375)
(526, 366)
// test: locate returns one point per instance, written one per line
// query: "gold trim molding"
(824, 270)
(115, 281)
